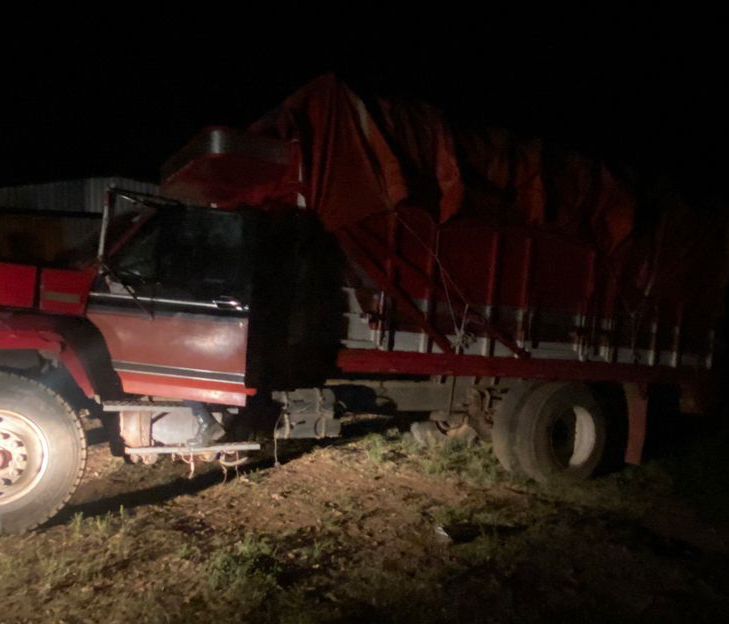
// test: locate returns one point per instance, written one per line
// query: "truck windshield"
(189, 253)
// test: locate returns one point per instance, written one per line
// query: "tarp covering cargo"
(395, 179)
(362, 159)
(359, 159)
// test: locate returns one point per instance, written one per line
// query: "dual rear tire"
(549, 432)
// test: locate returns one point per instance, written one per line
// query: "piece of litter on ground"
(441, 535)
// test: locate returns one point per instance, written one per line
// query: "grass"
(242, 577)
(474, 464)
(517, 551)
(234, 566)
(188, 552)
(70, 568)
(382, 448)
(377, 448)
(82, 557)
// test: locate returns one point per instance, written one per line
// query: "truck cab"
(172, 304)
(155, 328)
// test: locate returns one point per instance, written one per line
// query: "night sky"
(117, 98)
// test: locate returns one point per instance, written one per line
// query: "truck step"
(143, 406)
(233, 447)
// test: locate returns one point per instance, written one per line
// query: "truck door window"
(136, 264)
(200, 254)
(190, 254)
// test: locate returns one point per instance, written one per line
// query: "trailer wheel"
(560, 433)
(42, 453)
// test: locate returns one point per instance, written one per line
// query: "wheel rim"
(23, 456)
(573, 437)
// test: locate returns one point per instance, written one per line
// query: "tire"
(560, 433)
(503, 435)
(42, 453)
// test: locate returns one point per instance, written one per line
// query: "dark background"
(89, 96)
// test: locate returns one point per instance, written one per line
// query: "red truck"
(364, 255)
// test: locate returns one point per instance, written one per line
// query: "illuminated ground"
(371, 530)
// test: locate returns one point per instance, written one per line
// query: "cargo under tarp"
(355, 159)
(395, 180)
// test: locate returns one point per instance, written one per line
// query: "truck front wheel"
(42, 453)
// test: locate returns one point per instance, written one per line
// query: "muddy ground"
(371, 529)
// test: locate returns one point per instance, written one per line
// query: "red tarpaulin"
(358, 160)
(351, 160)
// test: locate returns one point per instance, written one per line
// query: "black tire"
(503, 435)
(560, 433)
(42, 453)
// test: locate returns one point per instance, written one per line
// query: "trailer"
(343, 254)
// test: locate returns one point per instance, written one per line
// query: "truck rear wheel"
(559, 433)
(42, 453)
(503, 435)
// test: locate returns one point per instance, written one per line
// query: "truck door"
(173, 306)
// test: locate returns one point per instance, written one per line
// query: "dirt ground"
(371, 529)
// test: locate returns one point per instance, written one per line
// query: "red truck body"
(340, 243)
(477, 254)
(465, 257)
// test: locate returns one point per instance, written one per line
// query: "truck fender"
(50, 345)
